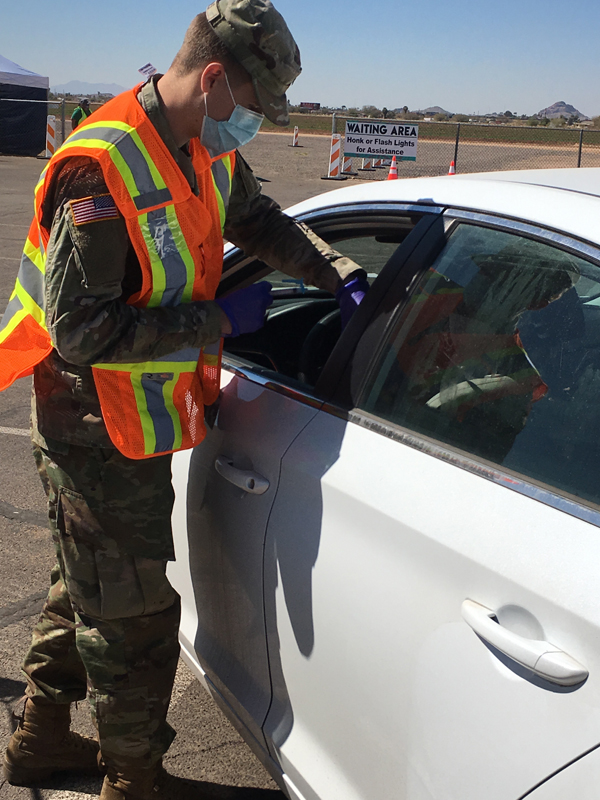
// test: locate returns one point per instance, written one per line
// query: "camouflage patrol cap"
(259, 39)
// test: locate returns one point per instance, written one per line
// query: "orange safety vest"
(155, 407)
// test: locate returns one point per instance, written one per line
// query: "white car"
(388, 545)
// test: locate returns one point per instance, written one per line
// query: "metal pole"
(62, 120)
(580, 147)
(333, 124)
(456, 144)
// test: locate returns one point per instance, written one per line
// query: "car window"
(497, 352)
(370, 252)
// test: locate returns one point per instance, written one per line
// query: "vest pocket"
(154, 408)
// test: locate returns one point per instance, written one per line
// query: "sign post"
(376, 139)
(148, 70)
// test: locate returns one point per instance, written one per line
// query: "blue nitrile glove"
(247, 307)
(350, 296)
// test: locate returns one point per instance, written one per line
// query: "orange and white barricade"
(348, 166)
(367, 165)
(335, 160)
(295, 140)
(50, 136)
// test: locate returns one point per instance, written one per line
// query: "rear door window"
(497, 353)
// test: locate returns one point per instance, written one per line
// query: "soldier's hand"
(349, 296)
(246, 308)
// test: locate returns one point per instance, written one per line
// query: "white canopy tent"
(14, 75)
(23, 109)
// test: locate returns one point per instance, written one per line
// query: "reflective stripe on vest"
(170, 259)
(23, 325)
(222, 173)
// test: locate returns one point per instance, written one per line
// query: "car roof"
(583, 181)
(566, 200)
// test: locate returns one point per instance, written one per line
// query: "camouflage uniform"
(111, 619)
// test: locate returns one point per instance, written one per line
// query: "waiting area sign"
(381, 139)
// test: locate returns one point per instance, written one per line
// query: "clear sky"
(464, 55)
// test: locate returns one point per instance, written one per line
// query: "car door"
(433, 607)
(578, 780)
(225, 487)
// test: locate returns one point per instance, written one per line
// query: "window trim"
(515, 481)
(577, 247)
(549, 495)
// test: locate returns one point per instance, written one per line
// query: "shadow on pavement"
(206, 790)
(10, 692)
(236, 792)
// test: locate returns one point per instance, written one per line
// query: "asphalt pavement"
(207, 748)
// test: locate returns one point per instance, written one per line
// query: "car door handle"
(542, 658)
(249, 481)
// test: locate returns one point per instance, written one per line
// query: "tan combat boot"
(152, 784)
(43, 745)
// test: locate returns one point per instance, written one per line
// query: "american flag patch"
(94, 209)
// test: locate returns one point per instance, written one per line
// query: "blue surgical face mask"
(223, 137)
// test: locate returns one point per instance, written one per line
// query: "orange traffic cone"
(393, 176)
(452, 170)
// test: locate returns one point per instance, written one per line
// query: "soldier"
(112, 310)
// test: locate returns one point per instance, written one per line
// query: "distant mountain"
(435, 110)
(83, 88)
(561, 109)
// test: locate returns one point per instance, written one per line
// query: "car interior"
(498, 356)
(303, 325)
(559, 446)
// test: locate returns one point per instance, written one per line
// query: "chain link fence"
(487, 148)
(23, 124)
(473, 147)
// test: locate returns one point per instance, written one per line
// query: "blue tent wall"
(22, 125)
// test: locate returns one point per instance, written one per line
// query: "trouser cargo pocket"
(103, 582)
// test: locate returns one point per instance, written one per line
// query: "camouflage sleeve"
(258, 226)
(88, 270)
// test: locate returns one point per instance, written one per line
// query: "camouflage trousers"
(109, 626)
